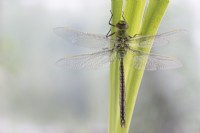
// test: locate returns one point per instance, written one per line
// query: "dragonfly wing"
(157, 62)
(157, 40)
(82, 38)
(88, 61)
(153, 62)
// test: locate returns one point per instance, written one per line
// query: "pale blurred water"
(38, 97)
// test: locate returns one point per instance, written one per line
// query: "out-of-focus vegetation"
(38, 97)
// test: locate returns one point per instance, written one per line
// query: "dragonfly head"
(122, 25)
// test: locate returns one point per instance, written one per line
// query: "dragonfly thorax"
(121, 49)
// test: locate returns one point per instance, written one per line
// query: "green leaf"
(140, 22)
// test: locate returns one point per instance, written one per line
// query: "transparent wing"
(158, 40)
(88, 61)
(153, 62)
(82, 38)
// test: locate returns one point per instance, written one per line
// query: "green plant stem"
(139, 23)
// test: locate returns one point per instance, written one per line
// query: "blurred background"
(36, 96)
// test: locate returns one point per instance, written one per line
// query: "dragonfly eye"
(122, 25)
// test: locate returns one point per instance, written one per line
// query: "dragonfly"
(123, 45)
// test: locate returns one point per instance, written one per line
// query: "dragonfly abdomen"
(122, 94)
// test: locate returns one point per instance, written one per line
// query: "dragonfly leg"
(111, 19)
(107, 35)
(134, 35)
(123, 16)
